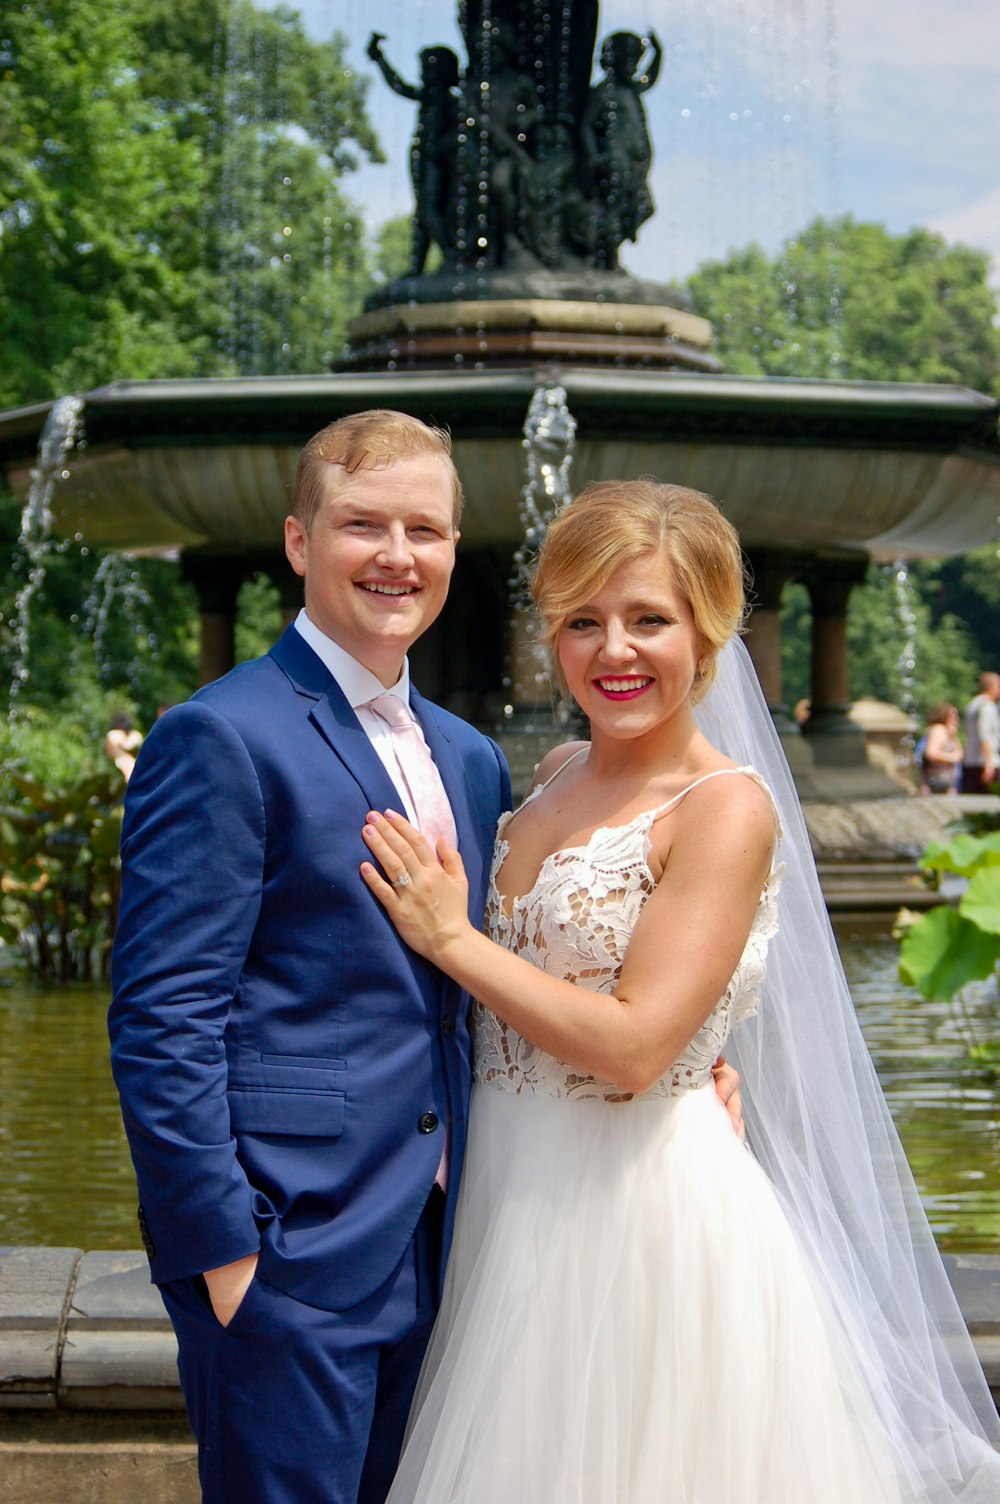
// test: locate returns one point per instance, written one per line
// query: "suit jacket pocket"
(306, 1114)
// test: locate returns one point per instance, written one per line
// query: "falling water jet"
(116, 581)
(58, 437)
(906, 663)
(530, 724)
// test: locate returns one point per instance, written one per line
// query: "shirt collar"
(358, 683)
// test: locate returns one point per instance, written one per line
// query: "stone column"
(771, 568)
(216, 579)
(834, 737)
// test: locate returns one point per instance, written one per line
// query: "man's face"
(378, 558)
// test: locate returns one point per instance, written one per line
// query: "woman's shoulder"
(553, 762)
(733, 801)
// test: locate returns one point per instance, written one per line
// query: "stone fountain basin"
(891, 470)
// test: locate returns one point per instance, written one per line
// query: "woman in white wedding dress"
(639, 1308)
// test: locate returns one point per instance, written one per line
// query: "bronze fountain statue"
(564, 163)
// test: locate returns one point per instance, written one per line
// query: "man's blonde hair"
(370, 440)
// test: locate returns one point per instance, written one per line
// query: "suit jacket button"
(447, 1026)
(427, 1122)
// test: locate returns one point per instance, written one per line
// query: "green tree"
(280, 120)
(967, 587)
(170, 199)
(849, 299)
(170, 204)
(898, 654)
(85, 170)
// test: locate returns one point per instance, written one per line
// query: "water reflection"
(947, 1112)
(68, 1181)
(67, 1178)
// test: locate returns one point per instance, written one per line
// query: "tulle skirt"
(628, 1319)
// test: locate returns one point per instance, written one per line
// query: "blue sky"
(767, 112)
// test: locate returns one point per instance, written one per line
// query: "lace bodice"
(575, 923)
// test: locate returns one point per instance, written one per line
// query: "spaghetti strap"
(561, 769)
(676, 798)
(511, 814)
(719, 772)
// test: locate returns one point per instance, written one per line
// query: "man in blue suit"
(294, 1081)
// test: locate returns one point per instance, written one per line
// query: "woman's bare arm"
(682, 955)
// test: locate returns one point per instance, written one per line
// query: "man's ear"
(296, 544)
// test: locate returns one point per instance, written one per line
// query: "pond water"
(67, 1179)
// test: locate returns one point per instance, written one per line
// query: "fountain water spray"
(906, 663)
(58, 438)
(549, 434)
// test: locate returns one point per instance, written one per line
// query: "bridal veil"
(818, 1123)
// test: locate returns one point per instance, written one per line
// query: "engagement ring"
(402, 880)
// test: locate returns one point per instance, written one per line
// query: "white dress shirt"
(359, 685)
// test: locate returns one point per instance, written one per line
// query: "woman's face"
(630, 653)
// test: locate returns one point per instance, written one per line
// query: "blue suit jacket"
(286, 1065)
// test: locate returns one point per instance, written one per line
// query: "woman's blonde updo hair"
(613, 522)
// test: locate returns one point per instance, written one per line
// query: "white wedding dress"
(628, 1317)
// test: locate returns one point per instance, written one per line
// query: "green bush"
(59, 873)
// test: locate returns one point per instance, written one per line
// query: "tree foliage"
(170, 199)
(171, 204)
(84, 285)
(850, 300)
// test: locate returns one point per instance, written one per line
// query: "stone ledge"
(35, 1287)
(99, 1473)
(86, 1332)
(119, 1350)
(90, 1409)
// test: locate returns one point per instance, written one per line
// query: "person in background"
(982, 736)
(122, 742)
(941, 758)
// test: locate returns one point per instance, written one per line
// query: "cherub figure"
(432, 153)
(616, 143)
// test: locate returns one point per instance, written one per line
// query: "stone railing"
(90, 1409)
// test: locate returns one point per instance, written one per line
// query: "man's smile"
(378, 587)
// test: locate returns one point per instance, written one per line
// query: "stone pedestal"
(513, 330)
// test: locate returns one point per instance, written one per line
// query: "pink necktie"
(423, 781)
(427, 795)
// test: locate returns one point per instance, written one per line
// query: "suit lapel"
(334, 719)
